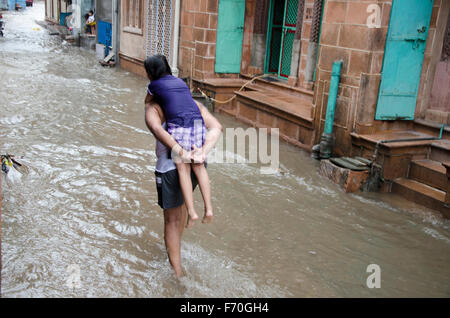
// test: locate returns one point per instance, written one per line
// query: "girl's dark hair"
(157, 66)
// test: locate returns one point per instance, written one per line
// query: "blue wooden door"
(104, 32)
(230, 34)
(403, 58)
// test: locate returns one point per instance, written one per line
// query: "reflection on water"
(90, 200)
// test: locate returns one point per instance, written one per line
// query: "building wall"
(345, 35)
(255, 35)
(132, 41)
(306, 33)
(154, 36)
(198, 32)
(433, 53)
(64, 6)
(51, 11)
(249, 34)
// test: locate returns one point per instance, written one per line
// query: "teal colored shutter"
(403, 59)
(230, 33)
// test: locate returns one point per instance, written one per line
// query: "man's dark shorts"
(169, 190)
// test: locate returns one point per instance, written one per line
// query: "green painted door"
(280, 39)
(230, 33)
(289, 25)
(274, 37)
(403, 58)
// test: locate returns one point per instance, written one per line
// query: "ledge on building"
(132, 64)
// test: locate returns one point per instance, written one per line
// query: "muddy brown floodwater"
(87, 208)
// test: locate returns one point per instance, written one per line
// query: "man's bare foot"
(207, 218)
(180, 273)
(191, 219)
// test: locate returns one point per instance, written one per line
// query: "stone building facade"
(268, 63)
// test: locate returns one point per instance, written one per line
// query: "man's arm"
(148, 98)
(213, 126)
(154, 119)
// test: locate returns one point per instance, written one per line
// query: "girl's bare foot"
(207, 218)
(191, 219)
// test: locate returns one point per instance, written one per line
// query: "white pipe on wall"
(176, 31)
(115, 30)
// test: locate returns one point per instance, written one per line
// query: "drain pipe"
(176, 33)
(115, 32)
(324, 149)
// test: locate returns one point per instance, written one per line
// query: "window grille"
(159, 28)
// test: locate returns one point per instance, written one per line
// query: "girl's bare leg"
(184, 173)
(205, 188)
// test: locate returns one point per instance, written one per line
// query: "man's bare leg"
(184, 173)
(173, 220)
(205, 188)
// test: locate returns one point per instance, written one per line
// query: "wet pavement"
(88, 206)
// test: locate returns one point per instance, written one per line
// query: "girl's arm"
(154, 118)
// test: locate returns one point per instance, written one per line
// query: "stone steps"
(266, 84)
(440, 150)
(281, 103)
(422, 194)
(395, 156)
(292, 115)
(264, 104)
(429, 172)
(431, 128)
(413, 168)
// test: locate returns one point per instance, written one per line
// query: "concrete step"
(280, 103)
(431, 128)
(422, 194)
(440, 150)
(271, 83)
(430, 172)
(291, 115)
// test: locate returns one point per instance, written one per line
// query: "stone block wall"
(132, 44)
(305, 36)
(346, 36)
(198, 33)
(433, 51)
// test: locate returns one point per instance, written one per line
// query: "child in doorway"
(185, 124)
(90, 23)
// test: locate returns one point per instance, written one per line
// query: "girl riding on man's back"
(185, 124)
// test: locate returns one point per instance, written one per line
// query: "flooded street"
(89, 201)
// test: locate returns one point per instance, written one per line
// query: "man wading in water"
(170, 197)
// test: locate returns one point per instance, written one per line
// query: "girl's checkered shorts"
(187, 137)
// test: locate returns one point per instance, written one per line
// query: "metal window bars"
(159, 28)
